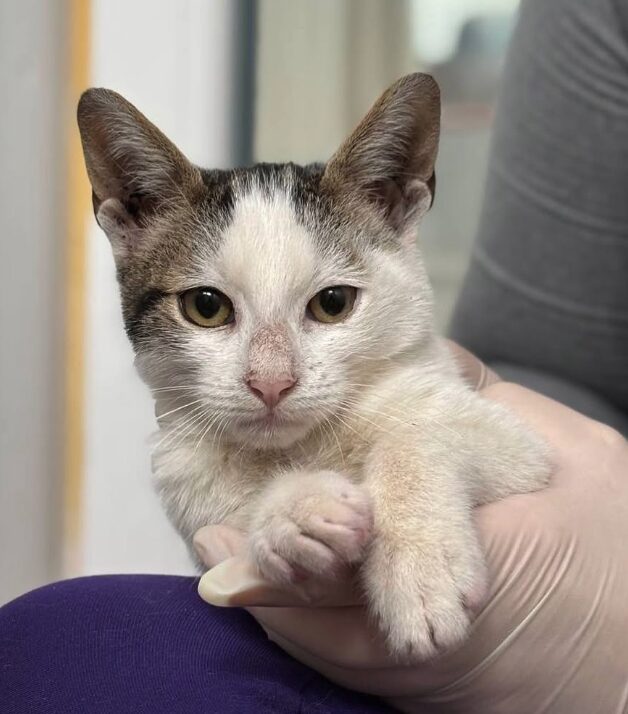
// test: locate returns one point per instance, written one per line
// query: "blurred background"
(231, 82)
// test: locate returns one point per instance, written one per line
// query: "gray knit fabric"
(547, 287)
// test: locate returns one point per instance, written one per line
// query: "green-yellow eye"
(332, 304)
(206, 307)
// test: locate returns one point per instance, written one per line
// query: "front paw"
(423, 597)
(310, 523)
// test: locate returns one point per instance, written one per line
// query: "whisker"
(180, 425)
(327, 424)
(184, 406)
(374, 412)
(205, 429)
(193, 428)
(178, 389)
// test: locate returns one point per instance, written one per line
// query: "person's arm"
(545, 296)
(553, 634)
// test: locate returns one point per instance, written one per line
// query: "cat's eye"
(332, 304)
(206, 307)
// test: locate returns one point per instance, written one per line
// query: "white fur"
(378, 453)
(379, 441)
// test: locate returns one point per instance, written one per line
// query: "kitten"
(282, 318)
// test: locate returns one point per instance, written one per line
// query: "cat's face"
(260, 302)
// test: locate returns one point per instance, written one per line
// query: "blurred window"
(319, 66)
(463, 43)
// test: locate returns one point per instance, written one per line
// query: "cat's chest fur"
(214, 482)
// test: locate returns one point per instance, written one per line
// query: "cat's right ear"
(134, 169)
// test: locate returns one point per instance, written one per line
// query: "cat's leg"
(505, 456)
(424, 564)
(309, 522)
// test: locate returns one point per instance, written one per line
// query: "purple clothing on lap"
(148, 644)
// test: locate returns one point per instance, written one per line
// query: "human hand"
(552, 634)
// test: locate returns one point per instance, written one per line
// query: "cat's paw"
(310, 523)
(423, 597)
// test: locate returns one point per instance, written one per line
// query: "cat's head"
(260, 302)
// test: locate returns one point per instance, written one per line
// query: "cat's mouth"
(272, 428)
(269, 419)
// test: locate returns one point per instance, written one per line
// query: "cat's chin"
(270, 434)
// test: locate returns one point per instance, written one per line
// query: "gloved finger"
(214, 544)
(475, 373)
(234, 581)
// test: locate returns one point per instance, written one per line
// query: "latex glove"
(553, 634)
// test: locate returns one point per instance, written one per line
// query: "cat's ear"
(133, 168)
(388, 161)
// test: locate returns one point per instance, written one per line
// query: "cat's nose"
(271, 392)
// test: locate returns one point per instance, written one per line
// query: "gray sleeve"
(547, 286)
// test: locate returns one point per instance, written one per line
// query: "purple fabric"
(147, 643)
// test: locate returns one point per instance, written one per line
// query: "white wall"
(174, 59)
(32, 204)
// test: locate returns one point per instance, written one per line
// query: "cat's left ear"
(388, 161)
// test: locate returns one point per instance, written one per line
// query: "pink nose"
(271, 393)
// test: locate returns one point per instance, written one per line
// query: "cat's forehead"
(281, 231)
(266, 243)
(255, 230)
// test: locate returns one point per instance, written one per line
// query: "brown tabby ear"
(389, 159)
(133, 168)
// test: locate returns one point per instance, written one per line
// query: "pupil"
(333, 300)
(207, 303)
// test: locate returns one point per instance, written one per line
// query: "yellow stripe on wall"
(78, 210)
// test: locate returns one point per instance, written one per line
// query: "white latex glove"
(553, 634)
